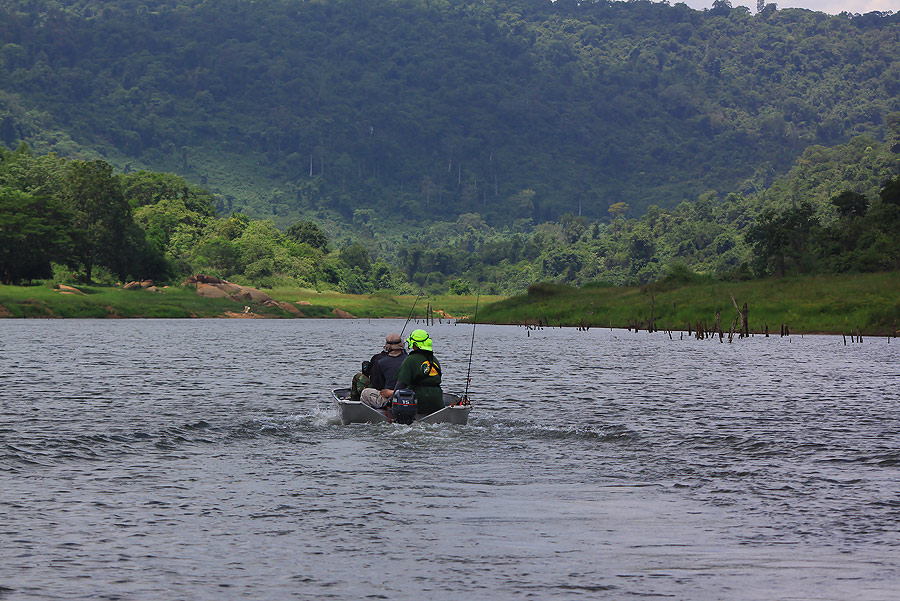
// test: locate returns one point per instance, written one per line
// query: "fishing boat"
(455, 411)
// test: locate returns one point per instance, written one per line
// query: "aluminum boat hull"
(357, 412)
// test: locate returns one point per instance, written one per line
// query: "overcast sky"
(832, 7)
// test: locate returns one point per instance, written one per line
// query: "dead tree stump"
(742, 312)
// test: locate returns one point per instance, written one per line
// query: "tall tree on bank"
(101, 217)
(780, 239)
(32, 234)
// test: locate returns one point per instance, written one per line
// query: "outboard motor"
(404, 406)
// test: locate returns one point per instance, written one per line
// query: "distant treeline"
(835, 212)
(78, 220)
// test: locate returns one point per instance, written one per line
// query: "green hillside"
(375, 113)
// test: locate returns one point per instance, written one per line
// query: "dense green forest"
(438, 145)
(78, 220)
(421, 110)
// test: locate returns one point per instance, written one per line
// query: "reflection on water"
(200, 459)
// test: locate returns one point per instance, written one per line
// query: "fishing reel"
(463, 402)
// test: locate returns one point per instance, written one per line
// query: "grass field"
(103, 301)
(869, 303)
(381, 304)
(176, 302)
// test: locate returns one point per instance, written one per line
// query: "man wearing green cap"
(421, 372)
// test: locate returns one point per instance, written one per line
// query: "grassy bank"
(826, 304)
(380, 304)
(177, 302)
(836, 304)
(103, 301)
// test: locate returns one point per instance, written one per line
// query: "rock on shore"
(143, 284)
(63, 289)
(213, 287)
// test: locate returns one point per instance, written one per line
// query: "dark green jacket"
(421, 372)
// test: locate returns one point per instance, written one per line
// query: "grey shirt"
(384, 372)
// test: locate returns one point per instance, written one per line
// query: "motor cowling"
(404, 406)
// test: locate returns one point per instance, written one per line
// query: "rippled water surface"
(200, 459)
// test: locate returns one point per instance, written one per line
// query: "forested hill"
(426, 109)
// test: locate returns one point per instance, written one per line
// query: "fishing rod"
(471, 349)
(408, 318)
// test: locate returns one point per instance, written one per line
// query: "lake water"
(200, 459)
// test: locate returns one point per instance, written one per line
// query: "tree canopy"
(425, 110)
